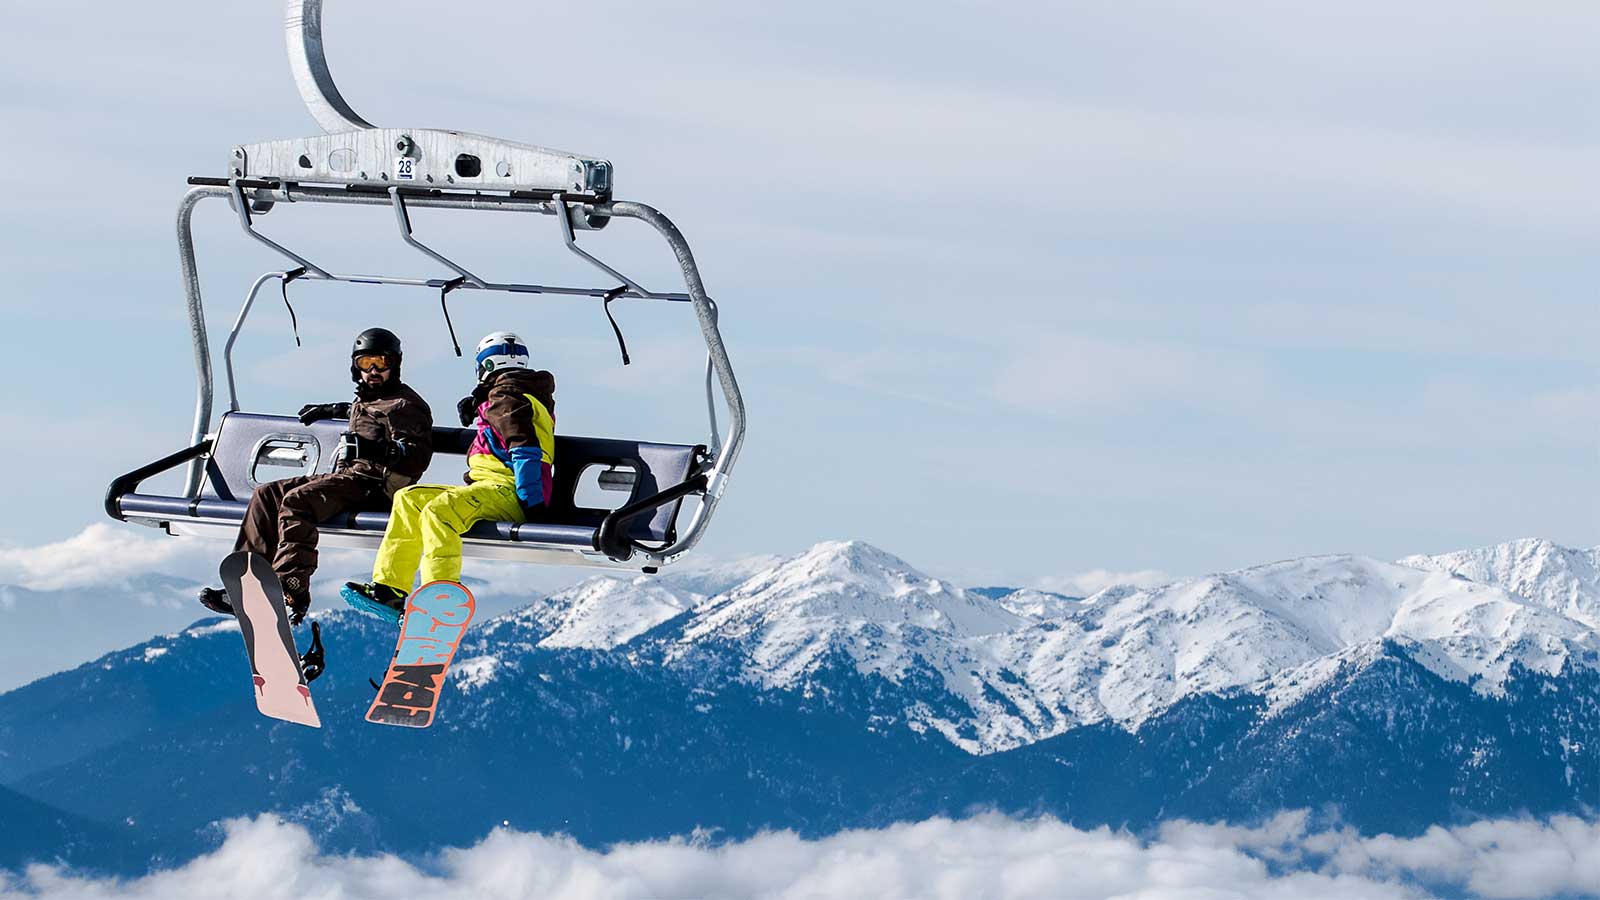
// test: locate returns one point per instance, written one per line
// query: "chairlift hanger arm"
(404, 219)
(309, 63)
(241, 206)
(564, 219)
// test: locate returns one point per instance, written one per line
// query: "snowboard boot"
(375, 599)
(296, 598)
(216, 600)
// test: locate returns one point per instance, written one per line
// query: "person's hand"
(397, 451)
(315, 412)
(467, 409)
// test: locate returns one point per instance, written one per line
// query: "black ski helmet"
(375, 340)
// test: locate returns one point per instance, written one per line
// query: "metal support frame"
(233, 336)
(241, 206)
(287, 163)
(309, 63)
(399, 201)
(725, 451)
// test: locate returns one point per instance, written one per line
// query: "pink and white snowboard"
(257, 598)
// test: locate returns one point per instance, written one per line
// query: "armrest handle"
(127, 484)
(611, 537)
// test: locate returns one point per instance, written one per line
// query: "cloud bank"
(985, 856)
(100, 554)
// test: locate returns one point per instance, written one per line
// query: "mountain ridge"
(621, 709)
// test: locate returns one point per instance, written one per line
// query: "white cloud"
(1097, 580)
(100, 554)
(988, 856)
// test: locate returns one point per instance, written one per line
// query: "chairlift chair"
(358, 163)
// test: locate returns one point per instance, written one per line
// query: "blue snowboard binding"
(378, 600)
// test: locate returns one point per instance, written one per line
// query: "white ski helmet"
(500, 350)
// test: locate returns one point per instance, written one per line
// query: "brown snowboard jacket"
(392, 412)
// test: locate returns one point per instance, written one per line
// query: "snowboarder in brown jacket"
(386, 447)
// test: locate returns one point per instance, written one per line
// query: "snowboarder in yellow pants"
(509, 476)
(426, 524)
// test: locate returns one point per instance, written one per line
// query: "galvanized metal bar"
(564, 219)
(242, 207)
(197, 329)
(508, 288)
(715, 442)
(309, 63)
(238, 325)
(706, 312)
(440, 199)
(499, 203)
(401, 216)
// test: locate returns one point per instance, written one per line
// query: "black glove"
(467, 409)
(315, 412)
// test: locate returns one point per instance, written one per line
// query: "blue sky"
(1012, 292)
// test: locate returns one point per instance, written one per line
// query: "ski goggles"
(374, 363)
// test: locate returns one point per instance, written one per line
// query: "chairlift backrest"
(251, 448)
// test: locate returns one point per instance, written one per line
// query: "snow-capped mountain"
(602, 613)
(1020, 666)
(1126, 655)
(841, 687)
(846, 594)
(1558, 578)
(1016, 669)
(852, 599)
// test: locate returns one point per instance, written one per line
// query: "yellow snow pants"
(425, 528)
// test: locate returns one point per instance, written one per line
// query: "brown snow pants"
(281, 522)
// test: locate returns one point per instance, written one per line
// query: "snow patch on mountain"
(217, 627)
(602, 613)
(475, 672)
(1038, 606)
(1557, 578)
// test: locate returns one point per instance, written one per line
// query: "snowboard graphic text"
(436, 617)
